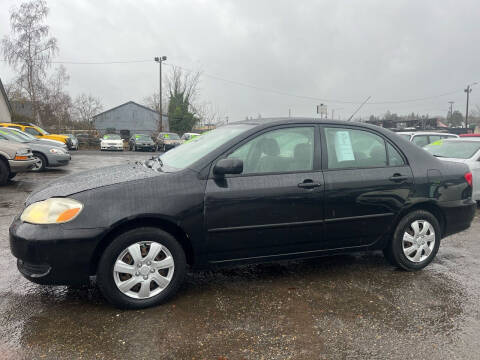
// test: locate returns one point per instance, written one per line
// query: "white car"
(188, 136)
(422, 138)
(466, 151)
(111, 142)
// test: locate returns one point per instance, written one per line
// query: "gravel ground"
(342, 307)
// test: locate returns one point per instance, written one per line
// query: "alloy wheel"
(37, 166)
(418, 241)
(143, 269)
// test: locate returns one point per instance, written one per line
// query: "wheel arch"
(5, 161)
(429, 206)
(40, 153)
(145, 221)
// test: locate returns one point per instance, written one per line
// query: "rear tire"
(415, 241)
(143, 271)
(11, 175)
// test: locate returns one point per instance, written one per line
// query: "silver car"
(43, 141)
(466, 151)
(45, 154)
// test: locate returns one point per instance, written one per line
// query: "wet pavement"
(342, 307)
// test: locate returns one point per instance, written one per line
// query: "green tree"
(456, 119)
(183, 87)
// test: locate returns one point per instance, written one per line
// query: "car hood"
(91, 179)
(113, 140)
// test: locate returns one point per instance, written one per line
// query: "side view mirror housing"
(228, 166)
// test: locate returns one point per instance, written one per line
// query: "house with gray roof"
(131, 117)
(5, 106)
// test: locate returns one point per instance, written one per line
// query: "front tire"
(141, 268)
(40, 163)
(415, 241)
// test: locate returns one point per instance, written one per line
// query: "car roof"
(424, 133)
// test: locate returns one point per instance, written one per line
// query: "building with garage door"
(5, 107)
(128, 119)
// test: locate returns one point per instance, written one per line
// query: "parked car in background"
(45, 155)
(422, 138)
(40, 141)
(188, 136)
(38, 132)
(74, 141)
(469, 135)
(14, 158)
(463, 150)
(140, 142)
(245, 192)
(167, 140)
(87, 140)
(111, 142)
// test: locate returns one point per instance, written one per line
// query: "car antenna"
(351, 116)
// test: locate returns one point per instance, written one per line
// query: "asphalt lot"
(343, 307)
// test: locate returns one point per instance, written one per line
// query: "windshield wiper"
(154, 163)
(438, 156)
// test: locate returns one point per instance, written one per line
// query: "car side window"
(32, 131)
(394, 157)
(420, 140)
(283, 150)
(349, 148)
(434, 138)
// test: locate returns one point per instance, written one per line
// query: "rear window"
(453, 149)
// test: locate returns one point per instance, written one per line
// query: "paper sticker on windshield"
(438, 142)
(3, 132)
(166, 136)
(137, 136)
(343, 146)
(106, 137)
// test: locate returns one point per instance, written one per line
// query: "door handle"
(398, 177)
(309, 184)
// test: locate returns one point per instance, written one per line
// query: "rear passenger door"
(367, 181)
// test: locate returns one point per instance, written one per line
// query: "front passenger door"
(275, 206)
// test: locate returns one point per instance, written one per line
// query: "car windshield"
(41, 131)
(10, 135)
(111, 137)
(142, 137)
(171, 136)
(23, 135)
(188, 153)
(453, 149)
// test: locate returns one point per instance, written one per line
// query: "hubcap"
(418, 241)
(37, 165)
(143, 269)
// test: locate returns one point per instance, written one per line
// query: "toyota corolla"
(246, 192)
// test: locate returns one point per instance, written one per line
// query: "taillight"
(468, 177)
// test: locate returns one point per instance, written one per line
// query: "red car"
(469, 135)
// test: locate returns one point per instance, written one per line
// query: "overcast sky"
(339, 51)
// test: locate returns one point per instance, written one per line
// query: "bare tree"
(183, 82)
(208, 114)
(29, 49)
(55, 103)
(86, 107)
(153, 103)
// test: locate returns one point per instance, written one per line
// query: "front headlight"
(57, 151)
(52, 211)
(23, 154)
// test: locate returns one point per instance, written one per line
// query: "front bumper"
(145, 146)
(55, 160)
(17, 166)
(52, 254)
(112, 147)
(458, 215)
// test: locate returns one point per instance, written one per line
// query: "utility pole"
(451, 109)
(160, 60)
(468, 90)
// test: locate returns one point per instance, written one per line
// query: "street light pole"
(468, 90)
(160, 60)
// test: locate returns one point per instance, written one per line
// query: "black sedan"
(140, 142)
(246, 192)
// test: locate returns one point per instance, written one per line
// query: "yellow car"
(39, 132)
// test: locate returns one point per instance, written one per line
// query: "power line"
(260, 88)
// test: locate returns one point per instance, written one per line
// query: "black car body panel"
(242, 218)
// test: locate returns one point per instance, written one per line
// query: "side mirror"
(228, 166)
